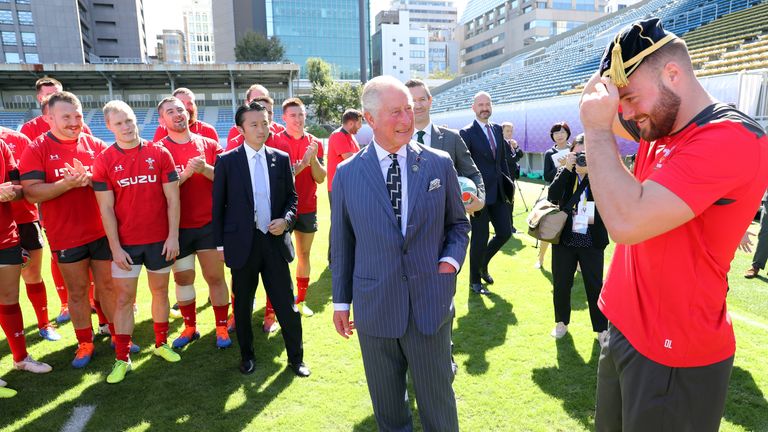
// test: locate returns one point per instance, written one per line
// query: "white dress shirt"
(427, 135)
(261, 195)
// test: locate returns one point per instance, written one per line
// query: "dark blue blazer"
(491, 168)
(233, 207)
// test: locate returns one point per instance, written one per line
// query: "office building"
(335, 30)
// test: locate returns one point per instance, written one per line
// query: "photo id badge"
(580, 223)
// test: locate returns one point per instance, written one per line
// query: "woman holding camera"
(582, 242)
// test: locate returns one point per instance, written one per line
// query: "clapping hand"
(8, 191)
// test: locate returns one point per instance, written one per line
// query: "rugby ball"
(467, 186)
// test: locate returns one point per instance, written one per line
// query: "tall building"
(198, 29)
(612, 6)
(439, 17)
(67, 31)
(490, 30)
(335, 30)
(399, 48)
(172, 47)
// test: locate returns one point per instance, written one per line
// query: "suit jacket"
(560, 191)
(233, 207)
(383, 274)
(450, 141)
(490, 167)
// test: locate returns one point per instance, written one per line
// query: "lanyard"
(583, 197)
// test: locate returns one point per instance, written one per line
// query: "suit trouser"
(636, 394)
(329, 230)
(564, 261)
(428, 358)
(761, 251)
(481, 251)
(266, 260)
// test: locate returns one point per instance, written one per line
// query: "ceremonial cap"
(630, 47)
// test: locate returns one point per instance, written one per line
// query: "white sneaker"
(537, 265)
(304, 309)
(3, 383)
(602, 338)
(559, 331)
(104, 330)
(31, 365)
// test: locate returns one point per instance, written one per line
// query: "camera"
(581, 159)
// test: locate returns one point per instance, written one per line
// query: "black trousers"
(635, 394)
(266, 260)
(564, 260)
(481, 251)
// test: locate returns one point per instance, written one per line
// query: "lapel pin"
(414, 168)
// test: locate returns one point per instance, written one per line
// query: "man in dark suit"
(399, 235)
(487, 146)
(254, 208)
(430, 135)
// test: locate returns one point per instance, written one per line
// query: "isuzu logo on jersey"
(141, 179)
(150, 162)
(61, 172)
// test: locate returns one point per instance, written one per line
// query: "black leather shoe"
(479, 288)
(300, 369)
(486, 277)
(247, 367)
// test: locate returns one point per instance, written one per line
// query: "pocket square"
(434, 184)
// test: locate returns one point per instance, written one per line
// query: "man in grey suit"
(441, 138)
(399, 236)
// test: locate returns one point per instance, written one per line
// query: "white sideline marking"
(80, 418)
(749, 321)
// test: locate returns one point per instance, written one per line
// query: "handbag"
(547, 220)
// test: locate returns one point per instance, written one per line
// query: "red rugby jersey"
(136, 177)
(197, 191)
(38, 126)
(339, 142)
(71, 219)
(9, 235)
(23, 210)
(667, 294)
(306, 188)
(198, 127)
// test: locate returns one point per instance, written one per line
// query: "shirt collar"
(427, 130)
(250, 152)
(382, 154)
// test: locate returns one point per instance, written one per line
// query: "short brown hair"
(183, 90)
(256, 87)
(415, 82)
(166, 100)
(47, 81)
(351, 114)
(63, 96)
(292, 102)
(266, 99)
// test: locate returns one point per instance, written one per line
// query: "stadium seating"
(562, 66)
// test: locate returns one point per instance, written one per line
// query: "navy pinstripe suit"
(403, 308)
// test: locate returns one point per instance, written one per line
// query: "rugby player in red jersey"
(31, 241)
(306, 153)
(235, 138)
(137, 188)
(44, 87)
(56, 172)
(194, 157)
(197, 126)
(10, 270)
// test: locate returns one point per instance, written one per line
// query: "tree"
(330, 101)
(254, 47)
(318, 71)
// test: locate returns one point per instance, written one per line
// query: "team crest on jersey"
(664, 155)
(91, 153)
(55, 157)
(118, 168)
(150, 163)
(12, 146)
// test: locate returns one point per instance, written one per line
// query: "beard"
(192, 116)
(662, 117)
